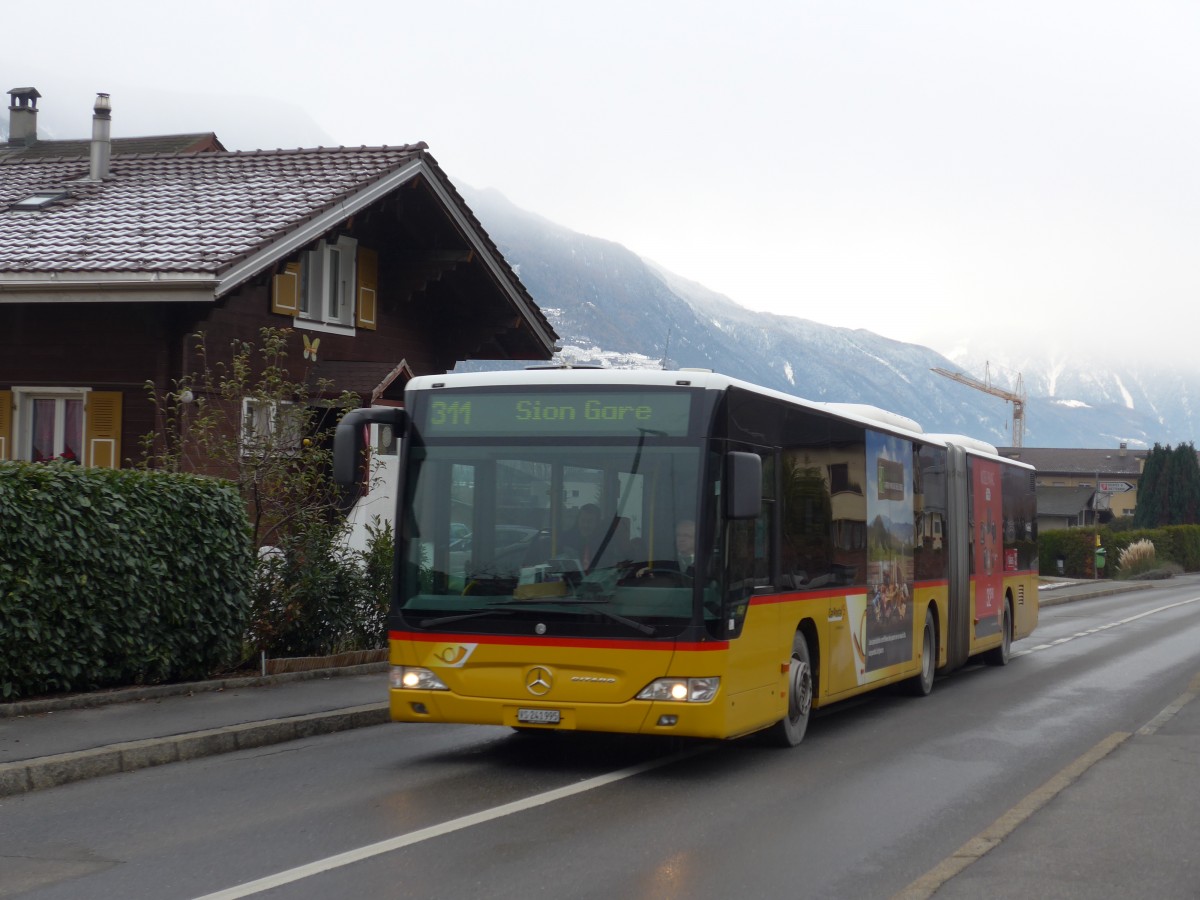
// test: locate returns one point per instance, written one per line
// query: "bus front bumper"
(700, 720)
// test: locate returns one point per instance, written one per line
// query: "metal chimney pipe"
(101, 137)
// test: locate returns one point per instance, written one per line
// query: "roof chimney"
(22, 115)
(101, 137)
(1124, 447)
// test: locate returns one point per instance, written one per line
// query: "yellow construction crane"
(1015, 397)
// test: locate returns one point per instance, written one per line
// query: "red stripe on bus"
(795, 596)
(513, 640)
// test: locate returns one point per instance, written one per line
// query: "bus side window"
(808, 476)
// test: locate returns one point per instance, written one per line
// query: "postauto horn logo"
(451, 656)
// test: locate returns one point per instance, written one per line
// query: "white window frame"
(254, 440)
(23, 398)
(326, 298)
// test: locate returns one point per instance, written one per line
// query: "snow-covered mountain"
(614, 308)
(1111, 398)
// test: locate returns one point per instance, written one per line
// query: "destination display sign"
(550, 412)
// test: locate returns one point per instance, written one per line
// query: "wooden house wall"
(102, 346)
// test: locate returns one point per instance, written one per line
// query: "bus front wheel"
(789, 731)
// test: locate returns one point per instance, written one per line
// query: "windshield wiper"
(472, 614)
(599, 603)
(508, 607)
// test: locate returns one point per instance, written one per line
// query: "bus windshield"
(590, 538)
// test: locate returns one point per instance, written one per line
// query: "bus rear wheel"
(999, 656)
(920, 685)
(789, 731)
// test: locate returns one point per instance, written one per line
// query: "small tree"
(247, 419)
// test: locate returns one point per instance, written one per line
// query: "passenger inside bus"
(583, 541)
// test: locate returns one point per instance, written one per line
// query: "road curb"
(1087, 593)
(28, 775)
(157, 691)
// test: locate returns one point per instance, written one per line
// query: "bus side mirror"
(743, 485)
(350, 440)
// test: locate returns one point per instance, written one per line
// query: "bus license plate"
(539, 716)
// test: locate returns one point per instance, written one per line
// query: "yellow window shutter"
(103, 429)
(285, 291)
(6, 417)
(368, 288)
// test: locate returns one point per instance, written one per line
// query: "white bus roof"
(967, 443)
(861, 413)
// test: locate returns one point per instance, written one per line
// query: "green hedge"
(1077, 546)
(114, 576)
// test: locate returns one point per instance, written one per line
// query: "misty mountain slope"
(827, 363)
(613, 308)
(601, 298)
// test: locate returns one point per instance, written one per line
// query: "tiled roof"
(160, 143)
(1067, 461)
(1064, 501)
(214, 217)
(198, 212)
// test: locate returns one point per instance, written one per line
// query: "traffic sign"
(1114, 487)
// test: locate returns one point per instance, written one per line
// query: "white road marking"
(1098, 628)
(424, 834)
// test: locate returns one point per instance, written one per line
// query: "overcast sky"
(932, 171)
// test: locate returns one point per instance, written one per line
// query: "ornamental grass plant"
(1137, 559)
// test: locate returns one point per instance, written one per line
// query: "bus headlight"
(414, 678)
(690, 690)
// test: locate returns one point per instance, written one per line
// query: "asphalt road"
(882, 792)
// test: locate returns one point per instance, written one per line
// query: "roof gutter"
(107, 287)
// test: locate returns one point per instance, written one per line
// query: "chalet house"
(1082, 487)
(113, 252)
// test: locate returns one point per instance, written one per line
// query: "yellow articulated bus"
(682, 553)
